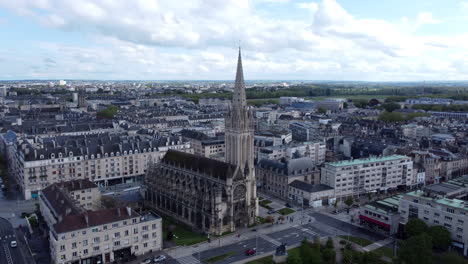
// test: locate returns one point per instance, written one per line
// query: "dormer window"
(105, 155)
(52, 156)
(112, 154)
(41, 157)
(70, 154)
(125, 152)
(86, 157)
(60, 155)
(98, 156)
(92, 156)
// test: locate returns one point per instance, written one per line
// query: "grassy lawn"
(260, 220)
(358, 240)
(265, 203)
(219, 257)
(183, 235)
(286, 211)
(384, 251)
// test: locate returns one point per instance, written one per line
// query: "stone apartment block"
(274, 176)
(81, 233)
(105, 160)
(359, 176)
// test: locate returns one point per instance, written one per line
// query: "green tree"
(329, 255)
(415, 227)
(452, 258)
(345, 105)
(390, 107)
(335, 204)
(321, 110)
(109, 112)
(329, 243)
(441, 238)
(293, 259)
(349, 201)
(309, 254)
(416, 250)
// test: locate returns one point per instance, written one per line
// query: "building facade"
(81, 231)
(103, 161)
(355, 177)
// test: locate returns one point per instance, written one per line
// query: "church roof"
(212, 167)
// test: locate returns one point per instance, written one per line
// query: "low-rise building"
(314, 195)
(381, 215)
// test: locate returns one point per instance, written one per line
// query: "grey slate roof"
(311, 188)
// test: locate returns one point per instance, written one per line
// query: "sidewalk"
(378, 244)
(239, 235)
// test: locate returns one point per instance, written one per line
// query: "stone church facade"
(209, 195)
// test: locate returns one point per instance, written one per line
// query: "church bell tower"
(239, 139)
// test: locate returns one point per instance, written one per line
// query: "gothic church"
(209, 195)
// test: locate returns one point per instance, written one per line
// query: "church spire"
(239, 100)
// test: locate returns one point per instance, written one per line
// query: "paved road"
(345, 228)
(9, 255)
(263, 242)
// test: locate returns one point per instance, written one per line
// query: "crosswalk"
(188, 260)
(7, 254)
(271, 240)
(6, 237)
(308, 231)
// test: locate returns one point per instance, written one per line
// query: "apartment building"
(304, 131)
(81, 232)
(70, 197)
(105, 159)
(202, 144)
(104, 236)
(359, 176)
(438, 205)
(314, 149)
(274, 176)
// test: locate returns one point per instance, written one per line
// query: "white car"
(13, 244)
(159, 258)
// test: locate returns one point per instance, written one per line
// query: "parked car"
(146, 261)
(13, 244)
(288, 205)
(271, 211)
(159, 258)
(250, 251)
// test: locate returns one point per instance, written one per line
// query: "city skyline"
(281, 40)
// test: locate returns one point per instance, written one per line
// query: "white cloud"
(168, 40)
(312, 6)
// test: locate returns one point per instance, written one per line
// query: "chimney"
(118, 211)
(86, 217)
(129, 211)
(81, 184)
(67, 211)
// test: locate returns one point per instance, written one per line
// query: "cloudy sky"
(369, 40)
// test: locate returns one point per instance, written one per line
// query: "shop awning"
(384, 225)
